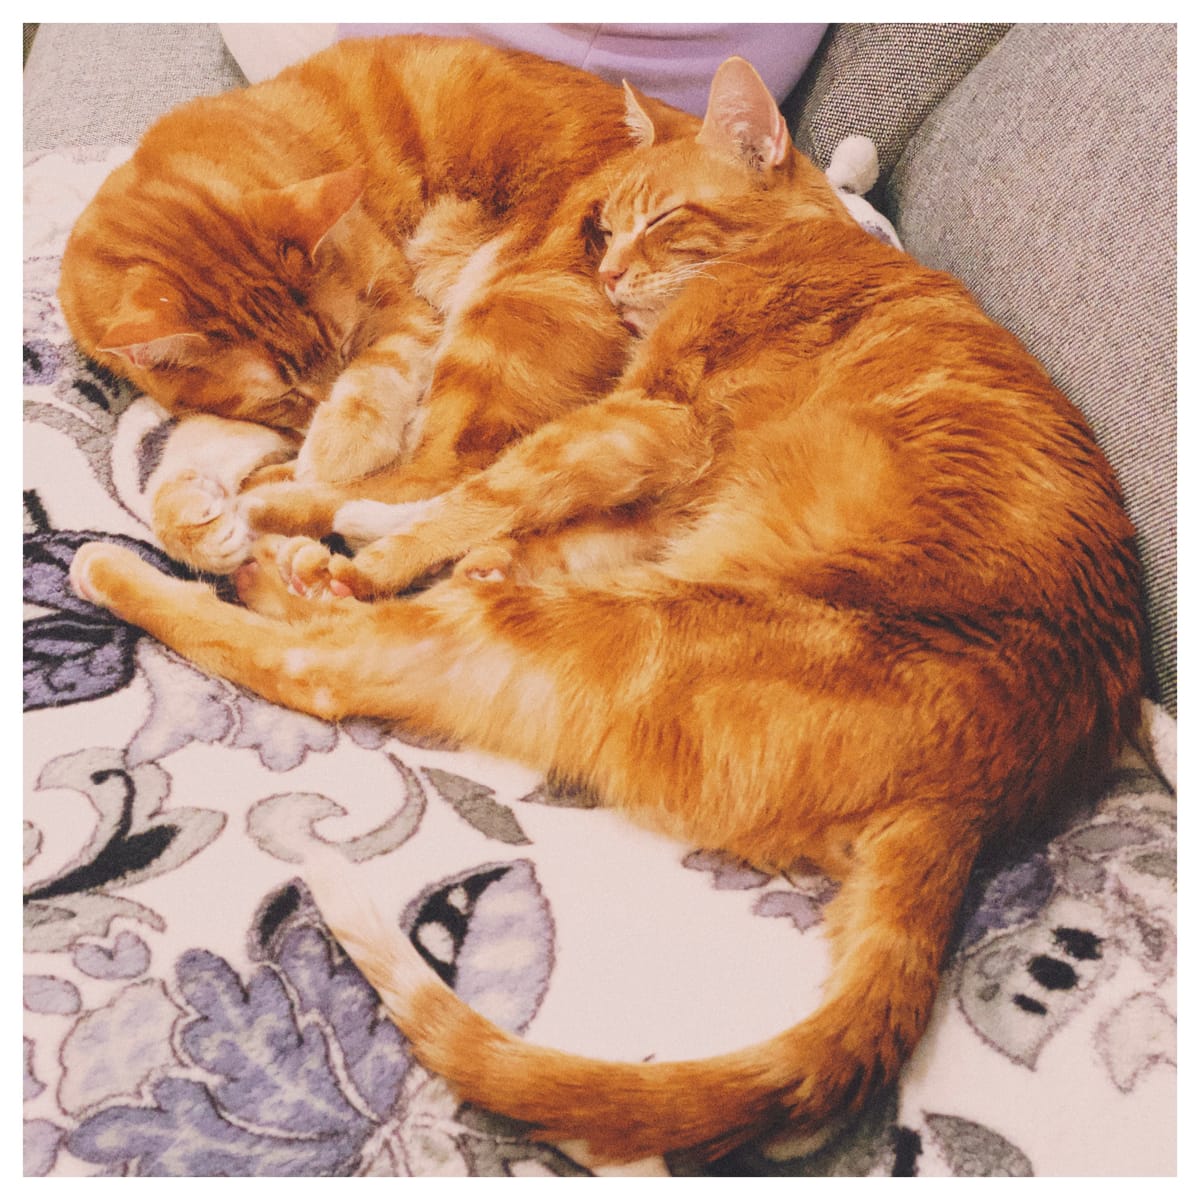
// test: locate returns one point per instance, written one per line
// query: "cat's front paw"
(387, 566)
(291, 508)
(370, 421)
(364, 521)
(201, 524)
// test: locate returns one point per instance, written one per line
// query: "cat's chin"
(632, 320)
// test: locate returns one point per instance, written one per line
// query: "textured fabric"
(882, 80)
(94, 85)
(1046, 182)
(674, 62)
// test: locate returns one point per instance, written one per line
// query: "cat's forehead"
(638, 195)
(673, 175)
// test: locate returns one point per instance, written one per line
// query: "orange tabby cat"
(833, 573)
(260, 257)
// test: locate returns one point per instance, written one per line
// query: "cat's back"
(424, 116)
(460, 115)
(883, 442)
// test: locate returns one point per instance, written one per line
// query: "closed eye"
(662, 217)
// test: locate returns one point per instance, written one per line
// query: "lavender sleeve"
(671, 61)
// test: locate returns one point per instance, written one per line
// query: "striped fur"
(834, 572)
(273, 255)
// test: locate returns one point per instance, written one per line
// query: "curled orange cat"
(832, 572)
(377, 254)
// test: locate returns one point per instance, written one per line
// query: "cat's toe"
(304, 566)
(490, 563)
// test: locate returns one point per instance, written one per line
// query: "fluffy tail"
(888, 925)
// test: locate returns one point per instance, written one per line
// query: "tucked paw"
(363, 521)
(200, 523)
(368, 422)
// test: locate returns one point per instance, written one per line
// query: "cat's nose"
(610, 275)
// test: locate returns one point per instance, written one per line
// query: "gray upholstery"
(1046, 181)
(881, 80)
(103, 85)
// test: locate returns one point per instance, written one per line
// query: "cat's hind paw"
(288, 578)
(80, 572)
(305, 566)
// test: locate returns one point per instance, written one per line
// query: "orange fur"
(834, 572)
(252, 260)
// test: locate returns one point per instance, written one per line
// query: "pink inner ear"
(146, 343)
(638, 120)
(305, 213)
(742, 116)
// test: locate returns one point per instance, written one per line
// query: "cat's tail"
(888, 925)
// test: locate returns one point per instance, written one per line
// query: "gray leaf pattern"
(973, 1150)
(476, 804)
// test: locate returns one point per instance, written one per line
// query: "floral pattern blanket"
(187, 1013)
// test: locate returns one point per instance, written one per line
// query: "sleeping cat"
(833, 572)
(261, 257)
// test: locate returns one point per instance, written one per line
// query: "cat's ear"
(742, 117)
(147, 348)
(637, 116)
(304, 214)
(148, 330)
(653, 121)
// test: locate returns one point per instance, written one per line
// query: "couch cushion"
(882, 80)
(103, 85)
(1046, 181)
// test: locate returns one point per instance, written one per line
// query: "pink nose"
(610, 274)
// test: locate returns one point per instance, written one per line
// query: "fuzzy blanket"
(187, 1013)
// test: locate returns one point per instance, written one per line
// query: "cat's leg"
(370, 423)
(309, 665)
(621, 450)
(432, 661)
(373, 415)
(523, 341)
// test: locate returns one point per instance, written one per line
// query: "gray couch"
(1035, 162)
